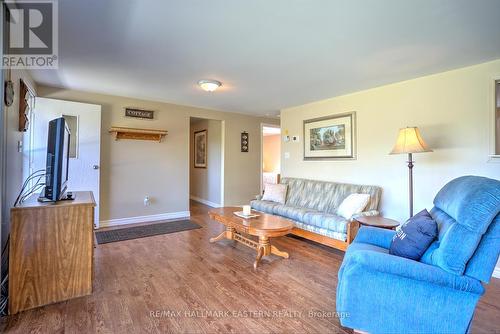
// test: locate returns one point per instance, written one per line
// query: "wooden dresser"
(51, 251)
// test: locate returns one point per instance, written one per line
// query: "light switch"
(287, 155)
(20, 146)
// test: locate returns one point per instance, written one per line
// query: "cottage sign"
(139, 113)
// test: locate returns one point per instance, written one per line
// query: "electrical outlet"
(20, 146)
(147, 201)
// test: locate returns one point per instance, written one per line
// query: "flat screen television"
(57, 167)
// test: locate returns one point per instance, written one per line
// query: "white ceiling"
(268, 54)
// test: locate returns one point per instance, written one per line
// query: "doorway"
(84, 121)
(271, 155)
(206, 162)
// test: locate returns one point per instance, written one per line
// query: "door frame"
(495, 81)
(261, 169)
(3, 165)
(222, 155)
(97, 196)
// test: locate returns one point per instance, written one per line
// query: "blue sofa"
(312, 206)
(382, 293)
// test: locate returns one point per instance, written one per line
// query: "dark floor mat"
(136, 232)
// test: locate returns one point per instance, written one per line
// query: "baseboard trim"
(145, 219)
(496, 272)
(204, 201)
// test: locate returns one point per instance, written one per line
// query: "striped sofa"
(312, 205)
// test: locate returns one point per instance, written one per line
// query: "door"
(84, 121)
(270, 157)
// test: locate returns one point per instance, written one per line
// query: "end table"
(378, 221)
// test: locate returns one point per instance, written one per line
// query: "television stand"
(51, 251)
(69, 196)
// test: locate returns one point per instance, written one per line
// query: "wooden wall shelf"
(137, 134)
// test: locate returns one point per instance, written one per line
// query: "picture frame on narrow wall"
(331, 137)
(200, 149)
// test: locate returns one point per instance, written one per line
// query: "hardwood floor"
(170, 283)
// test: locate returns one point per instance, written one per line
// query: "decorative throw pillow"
(414, 236)
(275, 193)
(352, 204)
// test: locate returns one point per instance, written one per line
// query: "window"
(497, 117)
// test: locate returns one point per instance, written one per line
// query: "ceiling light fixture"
(209, 85)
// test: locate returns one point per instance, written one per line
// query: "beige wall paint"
(454, 111)
(271, 153)
(205, 183)
(132, 169)
(14, 159)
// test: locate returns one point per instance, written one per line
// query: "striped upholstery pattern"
(312, 205)
(327, 221)
(292, 212)
(326, 196)
(264, 206)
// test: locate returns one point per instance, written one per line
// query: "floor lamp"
(409, 141)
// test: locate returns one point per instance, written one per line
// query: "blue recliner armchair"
(381, 293)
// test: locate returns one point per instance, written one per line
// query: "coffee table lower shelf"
(263, 246)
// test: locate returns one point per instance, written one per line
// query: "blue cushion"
(374, 236)
(483, 262)
(293, 212)
(464, 209)
(263, 206)
(326, 220)
(414, 237)
(472, 201)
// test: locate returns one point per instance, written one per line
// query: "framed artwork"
(332, 137)
(200, 149)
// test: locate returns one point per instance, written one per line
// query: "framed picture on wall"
(329, 138)
(200, 149)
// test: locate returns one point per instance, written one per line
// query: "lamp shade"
(410, 141)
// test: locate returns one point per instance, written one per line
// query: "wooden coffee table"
(264, 227)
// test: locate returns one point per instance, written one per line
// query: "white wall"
(205, 183)
(454, 111)
(14, 159)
